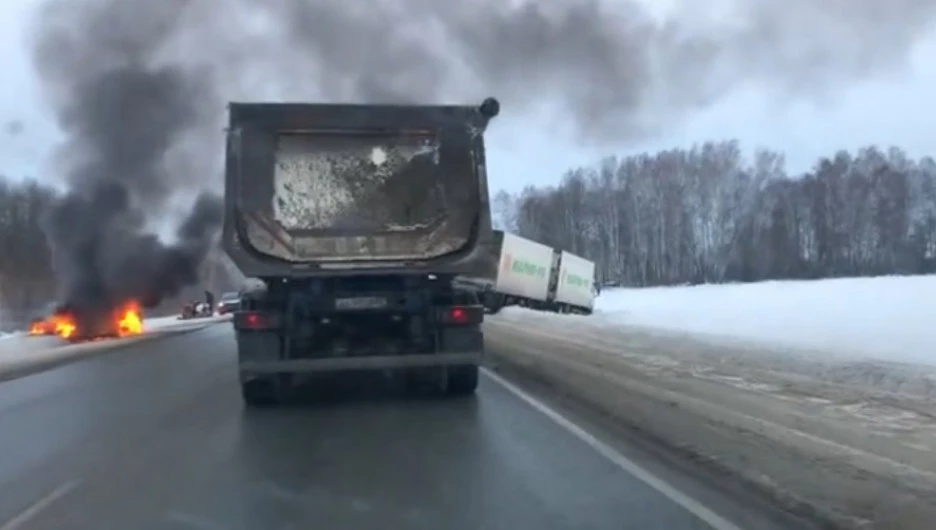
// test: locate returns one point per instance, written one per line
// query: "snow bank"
(877, 334)
(173, 322)
(889, 318)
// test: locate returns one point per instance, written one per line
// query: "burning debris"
(124, 321)
(130, 321)
(54, 324)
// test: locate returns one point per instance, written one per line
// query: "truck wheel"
(260, 393)
(462, 380)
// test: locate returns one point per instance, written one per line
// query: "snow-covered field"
(877, 333)
(823, 393)
(891, 317)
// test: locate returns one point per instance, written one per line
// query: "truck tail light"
(255, 321)
(463, 315)
(459, 315)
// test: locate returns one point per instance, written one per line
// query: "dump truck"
(522, 272)
(356, 219)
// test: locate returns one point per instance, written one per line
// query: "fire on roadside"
(127, 320)
(59, 323)
(39, 327)
(130, 320)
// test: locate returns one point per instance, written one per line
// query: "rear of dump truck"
(357, 219)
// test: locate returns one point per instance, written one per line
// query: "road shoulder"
(49, 357)
(745, 441)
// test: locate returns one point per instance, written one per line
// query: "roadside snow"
(856, 452)
(162, 323)
(877, 334)
(822, 392)
(889, 318)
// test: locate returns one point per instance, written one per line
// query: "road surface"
(155, 437)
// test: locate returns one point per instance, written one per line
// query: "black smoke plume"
(614, 70)
(123, 113)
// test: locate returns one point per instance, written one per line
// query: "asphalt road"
(156, 437)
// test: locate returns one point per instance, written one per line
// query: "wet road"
(155, 437)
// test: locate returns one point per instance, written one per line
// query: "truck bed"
(314, 188)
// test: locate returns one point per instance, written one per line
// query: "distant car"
(228, 303)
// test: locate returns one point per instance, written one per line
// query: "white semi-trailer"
(575, 289)
(522, 272)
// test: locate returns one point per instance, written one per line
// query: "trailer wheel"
(462, 380)
(260, 393)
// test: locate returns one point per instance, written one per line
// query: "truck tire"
(260, 393)
(462, 380)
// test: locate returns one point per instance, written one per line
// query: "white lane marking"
(691, 505)
(37, 507)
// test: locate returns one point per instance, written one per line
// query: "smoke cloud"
(615, 71)
(124, 114)
(139, 88)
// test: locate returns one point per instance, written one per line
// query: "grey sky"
(888, 107)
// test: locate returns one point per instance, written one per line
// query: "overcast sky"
(892, 109)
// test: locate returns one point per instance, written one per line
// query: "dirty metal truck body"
(357, 219)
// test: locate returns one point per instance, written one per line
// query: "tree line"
(709, 214)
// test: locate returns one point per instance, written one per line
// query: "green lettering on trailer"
(576, 281)
(524, 267)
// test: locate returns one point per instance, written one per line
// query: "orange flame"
(39, 328)
(128, 320)
(131, 320)
(62, 325)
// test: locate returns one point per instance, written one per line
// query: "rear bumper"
(361, 363)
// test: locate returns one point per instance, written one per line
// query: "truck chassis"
(421, 326)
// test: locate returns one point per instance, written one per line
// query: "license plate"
(361, 302)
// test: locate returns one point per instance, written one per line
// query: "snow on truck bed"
(822, 392)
